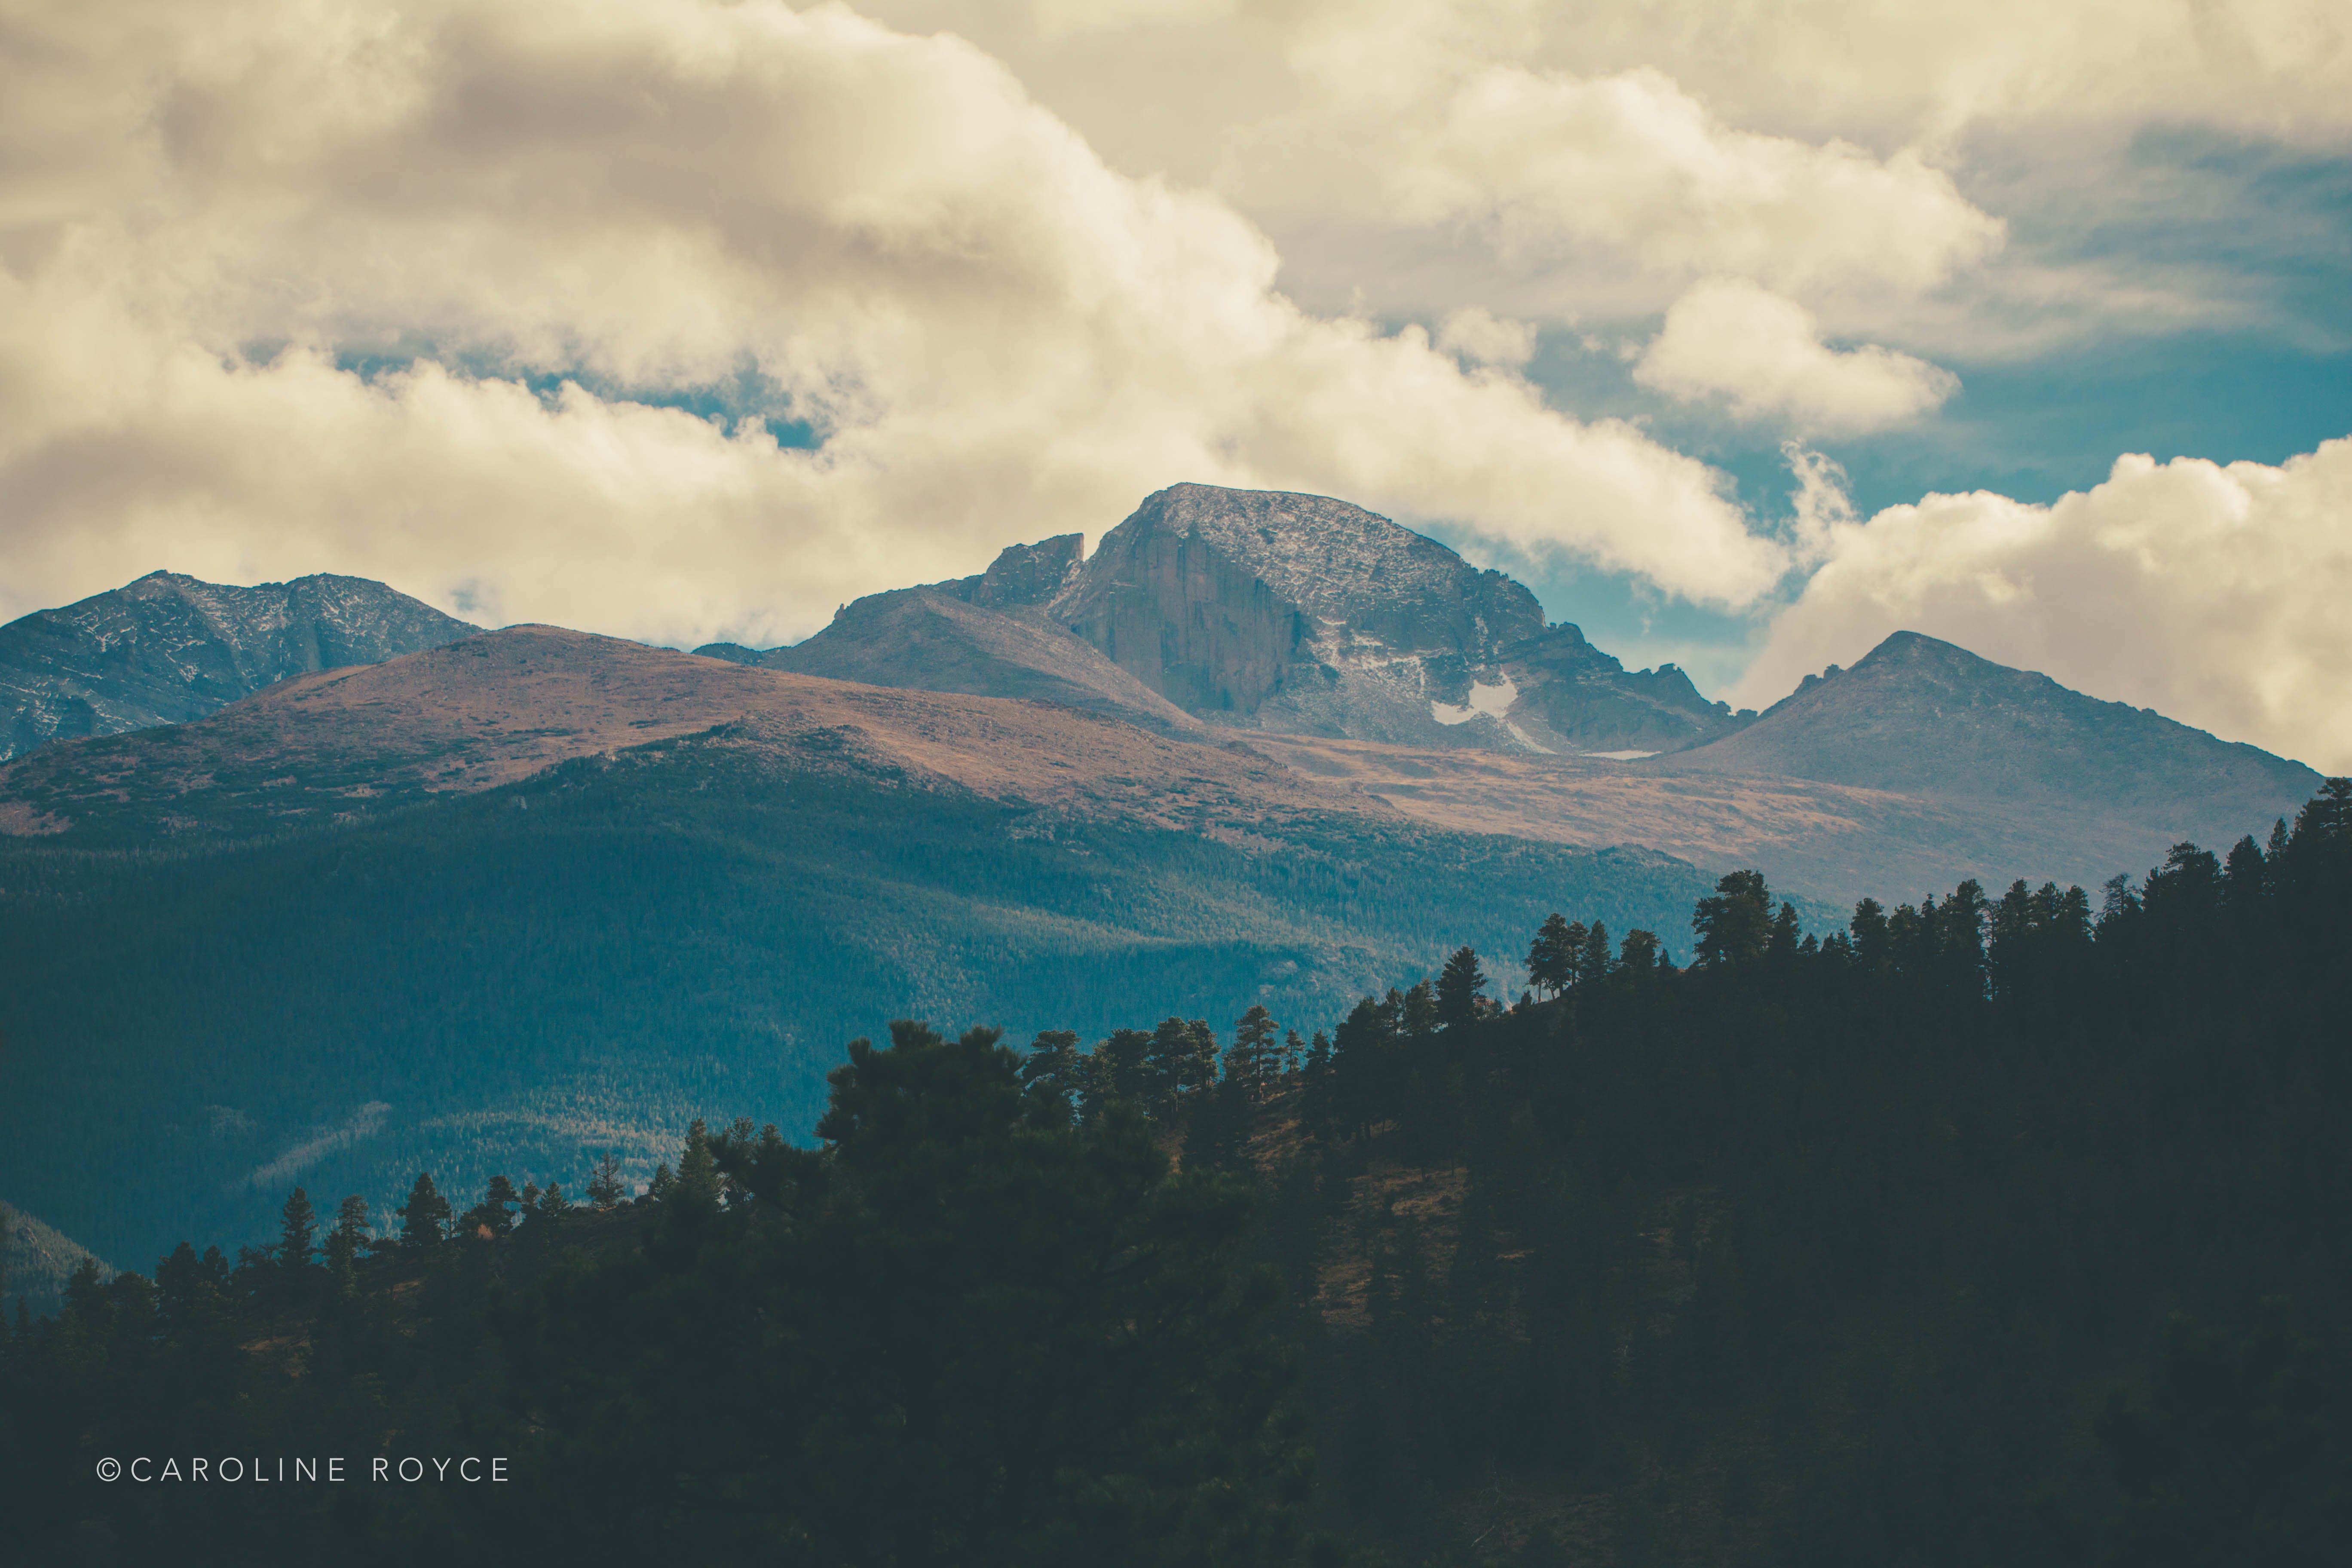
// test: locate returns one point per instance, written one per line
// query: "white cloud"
(2214, 594)
(1729, 338)
(1584, 163)
(2272, 68)
(997, 336)
(1478, 335)
(1552, 166)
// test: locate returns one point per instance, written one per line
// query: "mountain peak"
(1918, 714)
(1336, 560)
(167, 648)
(1268, 610)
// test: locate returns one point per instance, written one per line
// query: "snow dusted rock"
(168, 649)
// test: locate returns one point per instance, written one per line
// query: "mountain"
(2106, 786)
(508, 903)
(342, 745)
(168, 649)
(1923, 716)
(1269, 611)
(983, 635)
(1921, 766)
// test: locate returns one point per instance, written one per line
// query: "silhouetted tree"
(343, 1244)
(425, 1217)
(1735, 924)
(298, 1224)
(1552, 955)
(1461, 986)
(605, 1189)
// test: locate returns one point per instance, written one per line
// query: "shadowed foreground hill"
(538, 895)
(1982, 1231)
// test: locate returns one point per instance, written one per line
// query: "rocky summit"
(169, 647)
(1271, 611)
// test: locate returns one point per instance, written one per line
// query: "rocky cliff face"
(1303, 614)
(1268, 611)
(168, 649)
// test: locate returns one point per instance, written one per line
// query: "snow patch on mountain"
(1493, 702)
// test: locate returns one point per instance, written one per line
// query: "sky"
(1745, 333)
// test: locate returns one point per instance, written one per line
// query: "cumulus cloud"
(1551, 165)
(1764, 355)
(1587, 163)
(2272, 68)
(1477, 334)
(2212, 593)
(284, 289)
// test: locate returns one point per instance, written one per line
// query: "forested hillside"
(520, 979)
(1997, 1230)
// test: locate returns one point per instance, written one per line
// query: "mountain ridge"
(1917, 712)
(168, 648)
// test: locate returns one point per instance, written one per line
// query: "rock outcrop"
(168, 649)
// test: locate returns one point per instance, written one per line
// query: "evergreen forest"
(525, 979)
(2009, 1227)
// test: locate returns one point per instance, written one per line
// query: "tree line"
(1990, 1228)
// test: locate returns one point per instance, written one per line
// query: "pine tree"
(1736, 925)
(2242, 879)
(425, 1217)
(298, 1223)
(2327, 818)
(1551, 957)
(1254, 1059)
(343, 1243)
(1459, 987)
(697, 1186)
(1164, 1065)
(1293, 1054)
(553, 1203)
(1592, 962)
(1315, 1107)
(1052, 1066)
(495, 1213)
(605, 1188)
(1418, 1013)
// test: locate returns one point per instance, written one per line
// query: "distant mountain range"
(1359, 651)
(514, 897)
(168, 649)
(1332, 640)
